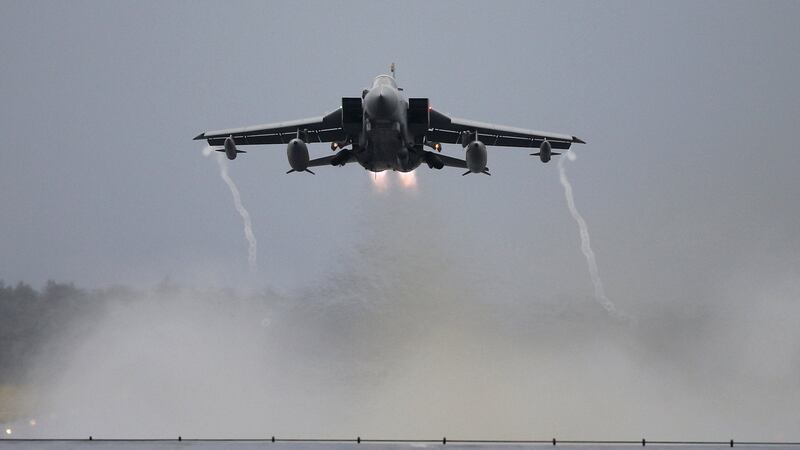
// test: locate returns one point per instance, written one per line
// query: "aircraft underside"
(385, 150)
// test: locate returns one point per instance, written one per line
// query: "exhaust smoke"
(252, 244)
(586, 247)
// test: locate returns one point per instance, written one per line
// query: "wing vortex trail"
(252, 244)
(586, 247)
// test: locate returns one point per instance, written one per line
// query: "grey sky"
(688, 181)
(688, 108)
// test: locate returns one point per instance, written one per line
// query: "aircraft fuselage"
(386, 143)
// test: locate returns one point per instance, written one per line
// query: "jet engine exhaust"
(408, 180)
(379, 181)
(586, 247)
(252, 244)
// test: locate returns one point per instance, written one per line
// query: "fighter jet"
(385, 130)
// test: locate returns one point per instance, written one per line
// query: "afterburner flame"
(379, 181)
(408, 180)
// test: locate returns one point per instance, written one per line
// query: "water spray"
(586, 247)
(252, 244)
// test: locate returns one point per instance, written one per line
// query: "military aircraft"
(385, 130)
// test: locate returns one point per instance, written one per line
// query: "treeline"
(34, 323)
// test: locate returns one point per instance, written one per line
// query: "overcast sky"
(689, 110)
(688, 182)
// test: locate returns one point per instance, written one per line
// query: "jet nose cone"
(381, 102)
(383, 99)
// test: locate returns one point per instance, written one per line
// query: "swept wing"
(325, 128)
(452, 130)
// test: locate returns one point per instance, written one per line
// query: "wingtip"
(200, 136)
(578, 140)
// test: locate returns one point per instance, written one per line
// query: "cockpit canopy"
(382, 80)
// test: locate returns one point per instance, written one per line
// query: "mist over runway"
(402, 338)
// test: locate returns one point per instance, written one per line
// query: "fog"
(403, 340)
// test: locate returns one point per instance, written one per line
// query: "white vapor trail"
(252, 244)
(586, 247)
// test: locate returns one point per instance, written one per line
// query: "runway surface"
(239, 444)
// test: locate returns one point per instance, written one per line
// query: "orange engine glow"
(408, 180)
(379, 181)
